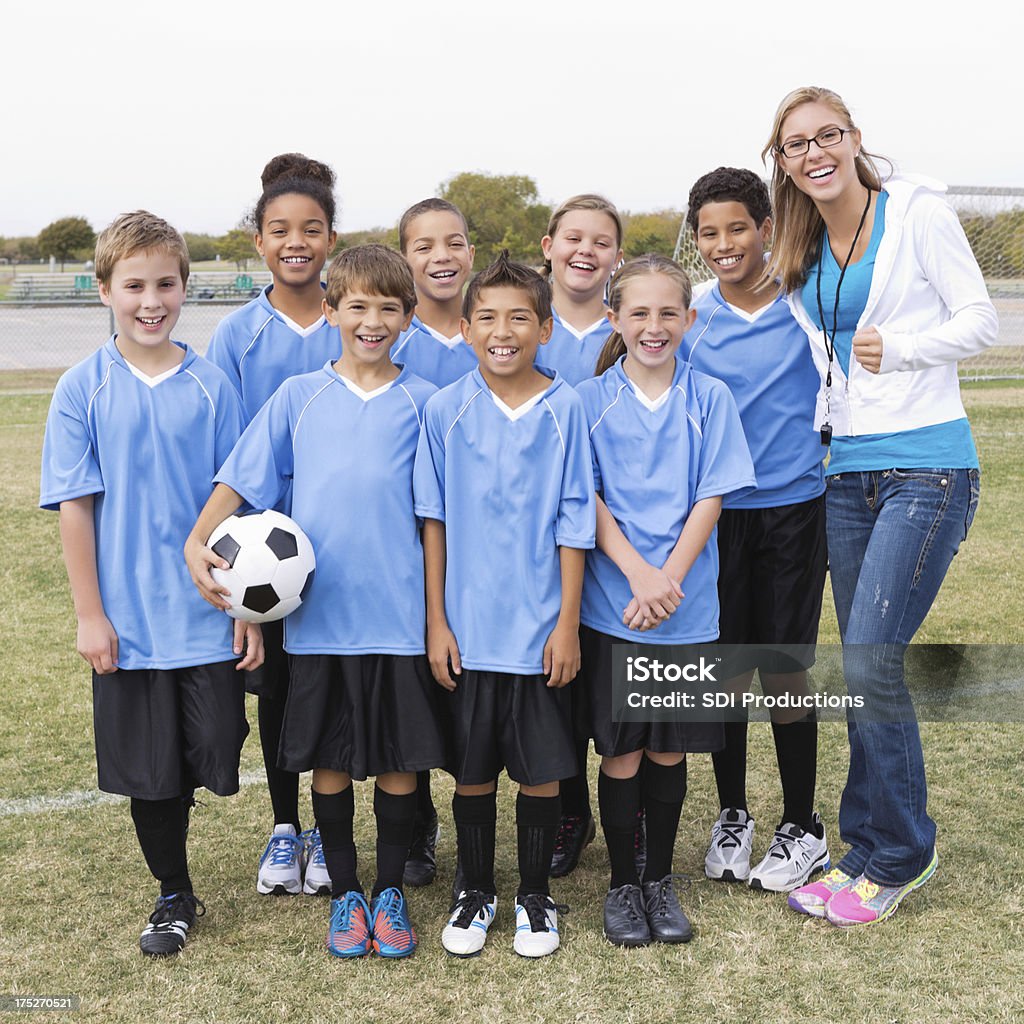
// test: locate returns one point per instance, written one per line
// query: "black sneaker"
(640, 844)
(665, 917)
(169, 924)
(625, 917)
(574, 834)
(420, 865)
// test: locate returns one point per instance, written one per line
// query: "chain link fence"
(993, 219)
(51, 321)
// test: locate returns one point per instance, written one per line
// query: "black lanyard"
(830, 339)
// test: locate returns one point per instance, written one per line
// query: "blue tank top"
(946, 445)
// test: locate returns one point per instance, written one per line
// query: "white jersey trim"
(472, 399)
(151, 382)
(608, 408)
(254, 338)
(316, 394)
(209, 398)
(365, 395)
(520, 410)
(302, 332)
(707, 327)
(448, 343)
(580, 335)
(650, 404)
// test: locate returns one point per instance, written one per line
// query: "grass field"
(76, 892)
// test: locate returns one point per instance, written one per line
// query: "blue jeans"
(891, 536)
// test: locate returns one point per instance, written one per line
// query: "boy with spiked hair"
(504, 466)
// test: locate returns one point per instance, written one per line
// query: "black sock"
(476, 822)
(731, 767)
(425, 809)
(334, 813)
(283, 786)
(664, 788)
(575, 792)
(796, 749)
(537, 819)
(160, 826)
(396, 822)
(619, 802)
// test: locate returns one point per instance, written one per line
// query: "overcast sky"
(176, 107)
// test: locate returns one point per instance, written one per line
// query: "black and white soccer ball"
(271, 563)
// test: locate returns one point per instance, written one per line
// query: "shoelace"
(730, 835)
(536, 906)
(630, 899)
(469, 904)
(169, 908)
(866, 890)
(781, 847)
(568, 825)
(343, 912)
(311, 837)
(389, 903)
(284, 850)
(658, 906)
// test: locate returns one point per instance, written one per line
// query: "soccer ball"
(271, 563)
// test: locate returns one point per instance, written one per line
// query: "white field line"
(78, 799)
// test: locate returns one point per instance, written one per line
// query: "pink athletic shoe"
(865, 902)
(811, 899)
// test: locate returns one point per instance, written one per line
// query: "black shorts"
(515, 722)
(613, 739)
(162, 732)
(270, 680)
(363, 714)
(771, 574)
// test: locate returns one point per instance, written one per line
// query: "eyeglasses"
(825, 139)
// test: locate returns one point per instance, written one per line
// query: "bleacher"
(214, 284)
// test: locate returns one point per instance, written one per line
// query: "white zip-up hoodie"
(929, 303)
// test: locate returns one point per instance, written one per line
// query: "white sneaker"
(471, 915)
(732, 838)
(793, 857)
(281, 864)
(536, 925)
(316, 880)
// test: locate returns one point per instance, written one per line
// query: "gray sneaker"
(625, 917)
(665, 917)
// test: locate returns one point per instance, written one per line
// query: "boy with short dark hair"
(134, 436)
(505, 485)
(771, 541)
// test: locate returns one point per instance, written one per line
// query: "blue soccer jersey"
(573, 353)
(653, 461)
(430, 355)
(148, 455)
(511, 487)
(765, 361)
(344, 460)
(259, 349)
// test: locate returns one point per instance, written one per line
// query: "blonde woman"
(880, 275)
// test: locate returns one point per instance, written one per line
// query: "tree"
(502, 211)
(237, 245)
(65, 238)
(383, 236)
(200, 247)
(651, 232)
(19, 250)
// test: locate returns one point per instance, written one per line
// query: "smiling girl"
(667, 444)
(281, 333)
